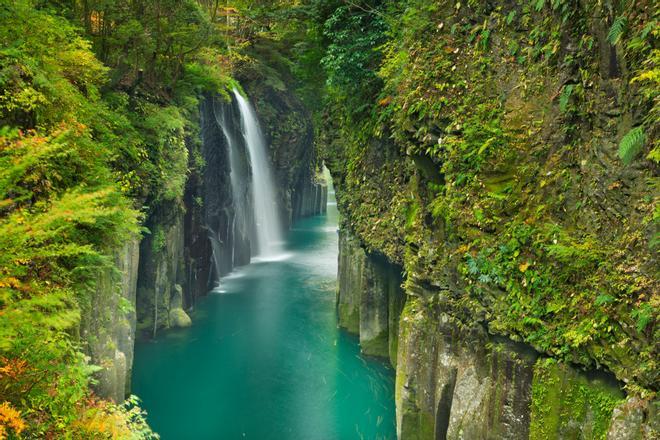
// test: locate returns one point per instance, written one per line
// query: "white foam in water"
(220, 288)
(233, 275)
(269, 258)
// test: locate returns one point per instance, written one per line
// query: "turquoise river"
(264, 358)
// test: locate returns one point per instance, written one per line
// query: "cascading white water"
(237, 187)
(266, 215)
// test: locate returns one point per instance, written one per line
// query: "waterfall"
(217, 254)
(238, 185)
(236, 245)
(264, 202)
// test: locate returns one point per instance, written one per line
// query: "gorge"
(329, 219)
(265, 358)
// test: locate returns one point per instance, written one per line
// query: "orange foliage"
(385, 101)
(10, 282)
(13, 368)
(98, 419)
(10, 419)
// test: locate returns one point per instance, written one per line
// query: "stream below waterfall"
(264, 358)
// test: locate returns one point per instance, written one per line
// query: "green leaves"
(616, 31)
(565, 97)
(62, 212)
(632, 144)
(604, 299)
(352, 57)
(47, 71)
(510, 16)
(644, 315)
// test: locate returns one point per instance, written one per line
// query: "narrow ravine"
(264, 358)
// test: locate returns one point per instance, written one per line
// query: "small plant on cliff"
(632, 144)
(617, 30)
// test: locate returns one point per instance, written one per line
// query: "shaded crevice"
(443, 411)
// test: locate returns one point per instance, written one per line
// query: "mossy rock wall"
(162, 271)
(455, 382)
(568, 405)
(369, 298)
(107, 336)
(491, 171)
(458, 381)
(488, 166)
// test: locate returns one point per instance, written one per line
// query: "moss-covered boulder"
(179, 318)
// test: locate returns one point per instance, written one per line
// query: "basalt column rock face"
(310, 197)
(110, 336)
(456, 381)
(352, 259)
(198, 253)
(369, 298)
(189, 249)
(162, 270)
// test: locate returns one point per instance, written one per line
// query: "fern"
(647, 29)
(617, 30)
(631, 144)
(565, 97)
(604, 299)
(644, 316)
(510, 17)
(654, 154)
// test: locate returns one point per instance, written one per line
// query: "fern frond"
(565, 97)
(631, 144)
(617, 30)
(654, 154)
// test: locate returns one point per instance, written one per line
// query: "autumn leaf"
(10, 418)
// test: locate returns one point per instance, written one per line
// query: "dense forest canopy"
(497, 104)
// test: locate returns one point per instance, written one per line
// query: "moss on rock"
(568, 405)
(179, 318)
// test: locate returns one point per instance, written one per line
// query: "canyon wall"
(454, 380)
(492, 166)
(202, 235)
(109, 337)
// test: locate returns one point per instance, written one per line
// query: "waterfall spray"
(266, 213)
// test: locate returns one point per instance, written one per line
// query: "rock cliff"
(487, 170)
(456, 381)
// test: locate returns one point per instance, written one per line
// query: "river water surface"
(264, 358)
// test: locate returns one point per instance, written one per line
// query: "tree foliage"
(97, 100)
